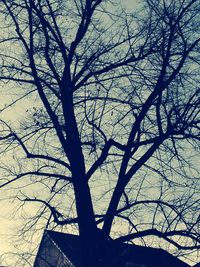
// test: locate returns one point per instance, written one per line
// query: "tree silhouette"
(113, 117)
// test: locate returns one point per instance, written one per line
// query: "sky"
(10, 221)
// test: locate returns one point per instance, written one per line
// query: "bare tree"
(113, 120)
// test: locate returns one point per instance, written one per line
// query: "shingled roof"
(70, 247)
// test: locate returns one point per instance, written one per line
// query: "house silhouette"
(63, 250)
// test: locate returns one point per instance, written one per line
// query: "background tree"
(111, 133)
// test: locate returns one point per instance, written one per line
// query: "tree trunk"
(88, 231)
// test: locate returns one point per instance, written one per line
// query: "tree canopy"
(110, 138)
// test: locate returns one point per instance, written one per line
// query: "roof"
(69, 245)
(151, 256)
